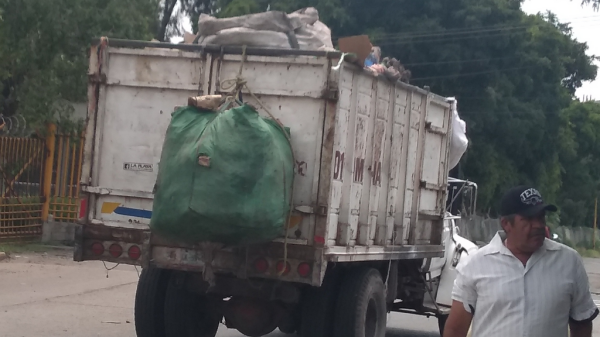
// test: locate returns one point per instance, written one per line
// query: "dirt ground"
(46, 294)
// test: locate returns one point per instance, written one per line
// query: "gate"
(39, 181)
(64, 194)
(21, 193)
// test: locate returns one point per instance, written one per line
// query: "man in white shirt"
(522, 284)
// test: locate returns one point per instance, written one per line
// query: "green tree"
(580, 163)
(595, 3)
(44, 49)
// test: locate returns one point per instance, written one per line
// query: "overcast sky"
(584, 21)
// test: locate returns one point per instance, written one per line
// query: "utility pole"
(595, 219)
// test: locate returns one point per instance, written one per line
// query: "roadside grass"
(14, 248)
(592, 253)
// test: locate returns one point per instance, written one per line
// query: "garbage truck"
(368, 231)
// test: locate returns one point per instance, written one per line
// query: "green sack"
(223, 177)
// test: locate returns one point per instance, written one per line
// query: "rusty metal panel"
(396, 231)
(380, 172)
(389, 163)
(434, 175)
(337, 217)
(21, 192)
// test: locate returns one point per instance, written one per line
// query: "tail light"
(283, 269)
(115, 250)
(261, 265)
(304, 269)
(134, 252)
(82, 208)
(97, 248)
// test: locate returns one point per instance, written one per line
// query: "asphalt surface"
(51, 296)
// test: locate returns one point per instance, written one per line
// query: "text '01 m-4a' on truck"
(369, 230)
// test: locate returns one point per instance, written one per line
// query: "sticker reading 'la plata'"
(140, 167)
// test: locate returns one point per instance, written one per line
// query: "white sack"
(459, 141)
(315, 37)
(270, 21)
(248, 37)
(267, 30)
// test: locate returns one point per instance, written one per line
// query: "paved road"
(51, 296)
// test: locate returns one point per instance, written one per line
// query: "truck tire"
(318, 306)
(361, 309)
(150, 302)
(442, 323)
(188, 314)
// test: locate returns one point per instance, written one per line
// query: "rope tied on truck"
(235, 87)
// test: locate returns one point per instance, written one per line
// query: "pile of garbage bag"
(225, 175)
(391, 68)
(273, 29)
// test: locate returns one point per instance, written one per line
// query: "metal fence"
(21, 175)
(66, 174)
(39, 181)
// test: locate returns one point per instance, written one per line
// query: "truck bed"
(371, 155)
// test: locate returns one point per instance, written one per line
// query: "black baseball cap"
(524, 201)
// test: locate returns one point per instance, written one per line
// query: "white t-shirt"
(536, 300)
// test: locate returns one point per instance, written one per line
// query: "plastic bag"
(224, 177)
(459, 141)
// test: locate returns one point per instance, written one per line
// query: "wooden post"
(48, 167)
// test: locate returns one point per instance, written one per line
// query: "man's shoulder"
(476, 259)
(485, 251)
(563, 250)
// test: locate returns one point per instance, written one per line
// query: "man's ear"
(505, 224)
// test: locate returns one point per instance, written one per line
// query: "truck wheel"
(150, 302)
(188, 314)
(318, 306)
(361, 309)
(442, 323)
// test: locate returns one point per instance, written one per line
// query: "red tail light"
(97, 248)
(261, 265)
(304, 269)
(280, 268)
(115, 250)
(134, 252)
(82, 208)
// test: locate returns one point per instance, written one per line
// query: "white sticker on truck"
(139, 167)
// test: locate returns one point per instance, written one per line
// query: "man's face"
(527, 233)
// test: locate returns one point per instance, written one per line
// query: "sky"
(585, 23)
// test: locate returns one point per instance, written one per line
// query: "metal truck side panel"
(389, 164)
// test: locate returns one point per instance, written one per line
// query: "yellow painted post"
(48, 166)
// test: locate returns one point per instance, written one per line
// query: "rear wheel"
(150, 302)
(189, 314)
(361, 308)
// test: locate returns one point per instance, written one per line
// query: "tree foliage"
(594, 3)
(580, 162)
(44, 49)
